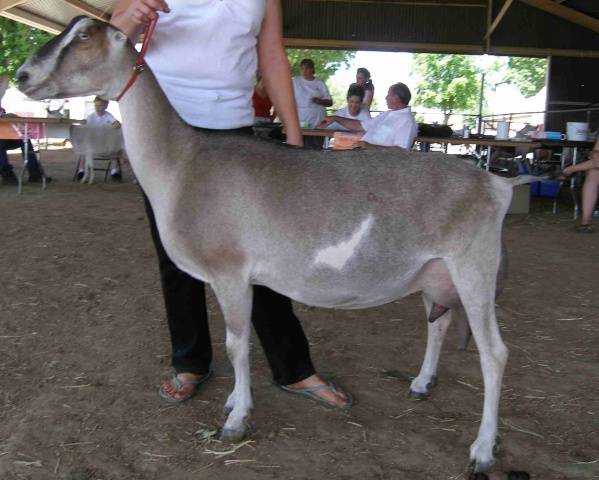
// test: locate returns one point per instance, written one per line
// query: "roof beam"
(6, 4)
(566, 13)
(88, 9)
(23, 16)
(498, 18)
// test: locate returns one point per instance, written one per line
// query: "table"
(489, 143)
(27, 128)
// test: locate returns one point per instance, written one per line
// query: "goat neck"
(150, 127)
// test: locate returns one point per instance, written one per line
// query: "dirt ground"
(84, 347)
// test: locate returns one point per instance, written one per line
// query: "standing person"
(393, 128)
(355, 108)
(311, 95)
(189, 37)
(262, 104)
(98, 118)
(364, 80)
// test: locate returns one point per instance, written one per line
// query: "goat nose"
(22, 77)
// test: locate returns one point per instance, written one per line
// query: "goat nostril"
(22, 77)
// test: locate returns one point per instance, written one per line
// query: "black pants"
(32, 164)
(278, 329)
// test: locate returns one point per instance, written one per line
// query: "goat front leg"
(235, 299)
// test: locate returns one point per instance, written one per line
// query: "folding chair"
(96, 144)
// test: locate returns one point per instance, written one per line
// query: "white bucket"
(577, 131)
(503, 131)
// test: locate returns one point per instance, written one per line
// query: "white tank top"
(204, 56)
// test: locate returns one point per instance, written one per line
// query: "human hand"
(325, 122)
(142, 11)
(130, 16)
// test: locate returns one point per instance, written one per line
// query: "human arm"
(131, 16)
(275, 71)
(368, 94)
(349, 123)
(591, 163)
(324, 100)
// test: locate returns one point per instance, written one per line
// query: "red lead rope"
(140, 63)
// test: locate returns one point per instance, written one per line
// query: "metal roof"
(517, 27)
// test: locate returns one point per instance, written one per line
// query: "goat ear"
(119, 37)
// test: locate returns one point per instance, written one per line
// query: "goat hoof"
(233, 435)
(478, 476)
(422, 395)
(414, 395)
(479, 468)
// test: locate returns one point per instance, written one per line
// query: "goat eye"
(83, 36)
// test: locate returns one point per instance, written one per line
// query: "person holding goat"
(216, 96)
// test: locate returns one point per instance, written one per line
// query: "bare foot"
(336, 398)
(182, 387)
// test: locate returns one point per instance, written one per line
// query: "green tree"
(527, 74)
(449, 83)
(17, 43)
(326, 62)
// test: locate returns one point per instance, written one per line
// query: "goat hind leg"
(474, 278)
(427, 377)
(235, 300)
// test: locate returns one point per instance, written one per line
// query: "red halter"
(139, 64)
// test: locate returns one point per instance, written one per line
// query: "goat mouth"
(39, 92)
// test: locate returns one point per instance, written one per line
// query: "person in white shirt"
(100, 117)
(311, 95)
(355, 108)
(394, 128)
(207, 65)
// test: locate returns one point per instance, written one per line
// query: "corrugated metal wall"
(384, 22)
(525, 26)
(401, 23)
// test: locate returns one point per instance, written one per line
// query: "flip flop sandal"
(586, 228)
(179, 384)
(310, 392)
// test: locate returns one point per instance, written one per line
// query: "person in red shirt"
(262, 104)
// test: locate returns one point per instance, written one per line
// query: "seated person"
(394, 128)
(355, 108)
(33, 166)
(590, 188)
(100, 117)
(6, 170)
(311, 95)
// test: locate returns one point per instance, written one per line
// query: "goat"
(347, 229)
